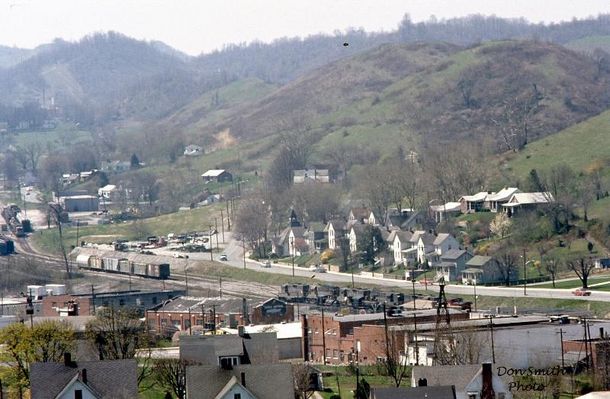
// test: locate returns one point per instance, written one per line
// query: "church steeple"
(294, 220)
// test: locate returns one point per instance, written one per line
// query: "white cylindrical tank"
(55, 289)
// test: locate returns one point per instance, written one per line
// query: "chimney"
(244, 311)
(243, 379)
(487, 391)
(67, 359)
(83, 376)
(601, 333)
(241, 331)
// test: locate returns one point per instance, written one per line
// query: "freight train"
(7, 246)
(17, 226)
(115, 264)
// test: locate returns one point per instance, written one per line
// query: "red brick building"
(182, 313)
(346, 338)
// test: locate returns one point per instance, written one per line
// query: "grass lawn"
(574, 283)
(577, 146)
(346, 381)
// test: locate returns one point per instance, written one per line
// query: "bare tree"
(252, 220)
(116, 333)
(507, 265)
(583, 268)
(552, 266)
(469, 345)
(515, 121)
(302, 380)
(171, 375)
(395, 365)
(55, 211)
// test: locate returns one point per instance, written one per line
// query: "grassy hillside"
(590, 43)
(426, 91)
(577, 146)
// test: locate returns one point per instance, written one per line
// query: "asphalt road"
(234, 252)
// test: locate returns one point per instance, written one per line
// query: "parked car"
(223, 257)
(319, 269)
(266, 264)
(581, 292)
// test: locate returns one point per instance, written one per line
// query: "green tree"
(134, 161)
(45, 342)
(370, 242)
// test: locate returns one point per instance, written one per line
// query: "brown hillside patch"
(224, 139)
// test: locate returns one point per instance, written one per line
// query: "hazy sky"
(196, 26)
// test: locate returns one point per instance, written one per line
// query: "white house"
(469, 380)
(527, 201)
(400, 244)
(335, 230)
(440, 212)
(425, 246)
(193, 150)
(107, 191)
(496, 200)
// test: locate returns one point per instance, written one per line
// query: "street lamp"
(525, 263)
(475, 292)
(292, 251)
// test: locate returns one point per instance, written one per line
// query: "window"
(121, 302)
(472, 396)
(78, 394)
(237, 396)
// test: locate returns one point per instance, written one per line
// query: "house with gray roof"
(233, 350)
(451, 264)
(470, 381)
(482, 270)
(496, 200)
(102, 379)
(269, 381)
(422, 392)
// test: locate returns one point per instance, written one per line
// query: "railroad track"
(229, 287)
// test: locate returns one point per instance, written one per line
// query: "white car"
(266, 264)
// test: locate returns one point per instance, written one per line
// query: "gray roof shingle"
(269, 381)
(112, 379)
(440, 392)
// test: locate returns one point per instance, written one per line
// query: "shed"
(217, 175)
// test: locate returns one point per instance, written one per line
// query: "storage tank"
(55, 289)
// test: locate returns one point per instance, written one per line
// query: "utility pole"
(220, 287)
(292, 253)
(93, 298)
(222, 225)
(216, 231)
(413, 282)
(203, 318)
(214, 318)
(186, 278)
(415, 339)
(190, 322)
(210, 244)
(228, 216)
(475, 294)
(562, 357)
(524, 274)
(243, 242)
(323, 340)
